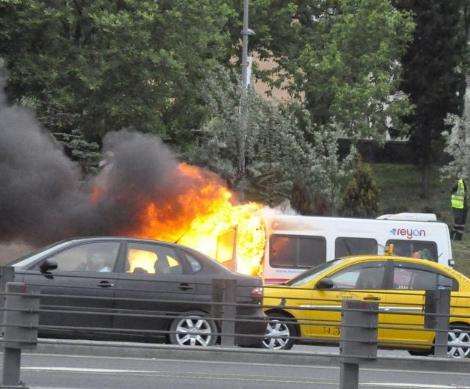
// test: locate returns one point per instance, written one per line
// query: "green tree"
(341, 57)
(272, 139)
(433, 76)
(308, 202)
(99, 65)
(458, 138)
(361, 198)
(283, 148)
(86, 153)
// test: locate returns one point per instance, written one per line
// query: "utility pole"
(246, 32)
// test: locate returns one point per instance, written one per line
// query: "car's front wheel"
(279, 332)
(193, 329)
(458, 341)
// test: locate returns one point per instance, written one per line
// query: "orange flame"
(202, 216)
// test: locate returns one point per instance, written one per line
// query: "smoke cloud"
(44, 197)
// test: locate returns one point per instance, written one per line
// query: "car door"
(360, 281)
(79, 293)
(154, 287)
(203, 277)
(405, 303)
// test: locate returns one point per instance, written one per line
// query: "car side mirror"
(325, 283)
(47, 265)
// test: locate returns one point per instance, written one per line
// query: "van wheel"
(279, 332)
(193, 329)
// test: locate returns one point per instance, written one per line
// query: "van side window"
(355, 246)
(414, 248)
(296, 251)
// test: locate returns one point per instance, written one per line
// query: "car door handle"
(105, 284)
(372, 298)
(185, 286)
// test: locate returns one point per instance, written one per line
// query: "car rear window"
(194, 264)
(152, 259)
(411, 278)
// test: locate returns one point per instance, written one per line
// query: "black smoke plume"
(45, 198)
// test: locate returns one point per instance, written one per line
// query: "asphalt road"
(40, 371)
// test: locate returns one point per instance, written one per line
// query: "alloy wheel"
(459, 343)
(194, 331)
(277, 335)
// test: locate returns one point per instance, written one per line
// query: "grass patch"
(400, 187)
(461, 253)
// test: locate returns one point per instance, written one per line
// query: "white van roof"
(416, 217)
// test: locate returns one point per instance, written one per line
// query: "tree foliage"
(272, 147)
(100, 66)
(283, 147)
(88, 67)
(433, 76)
(361, 197)
(340, 56)
(458, 142)
(86, 153)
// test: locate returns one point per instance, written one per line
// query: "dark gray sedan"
(134, 289)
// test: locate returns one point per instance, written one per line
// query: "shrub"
(361, 198)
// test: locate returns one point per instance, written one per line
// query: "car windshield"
(306, 276)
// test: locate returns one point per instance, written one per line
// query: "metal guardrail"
(358, 321)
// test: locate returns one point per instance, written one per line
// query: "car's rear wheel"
(458, 340)
(193, 329)
(279, 332)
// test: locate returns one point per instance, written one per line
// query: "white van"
(295, 243)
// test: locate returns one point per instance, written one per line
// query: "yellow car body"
(309, 311)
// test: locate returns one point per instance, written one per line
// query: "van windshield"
(307, 275)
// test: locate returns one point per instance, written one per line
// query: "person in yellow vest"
(459, 208)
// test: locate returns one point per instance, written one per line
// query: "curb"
(241, 355)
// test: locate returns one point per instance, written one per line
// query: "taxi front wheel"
(279, 332)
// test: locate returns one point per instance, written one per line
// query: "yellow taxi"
(307, 307)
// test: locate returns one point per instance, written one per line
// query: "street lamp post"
(246, 32)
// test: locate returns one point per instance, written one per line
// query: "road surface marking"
(208, 362)
(410, 386)
(179, 375)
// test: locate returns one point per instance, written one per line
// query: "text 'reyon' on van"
(296, 243)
